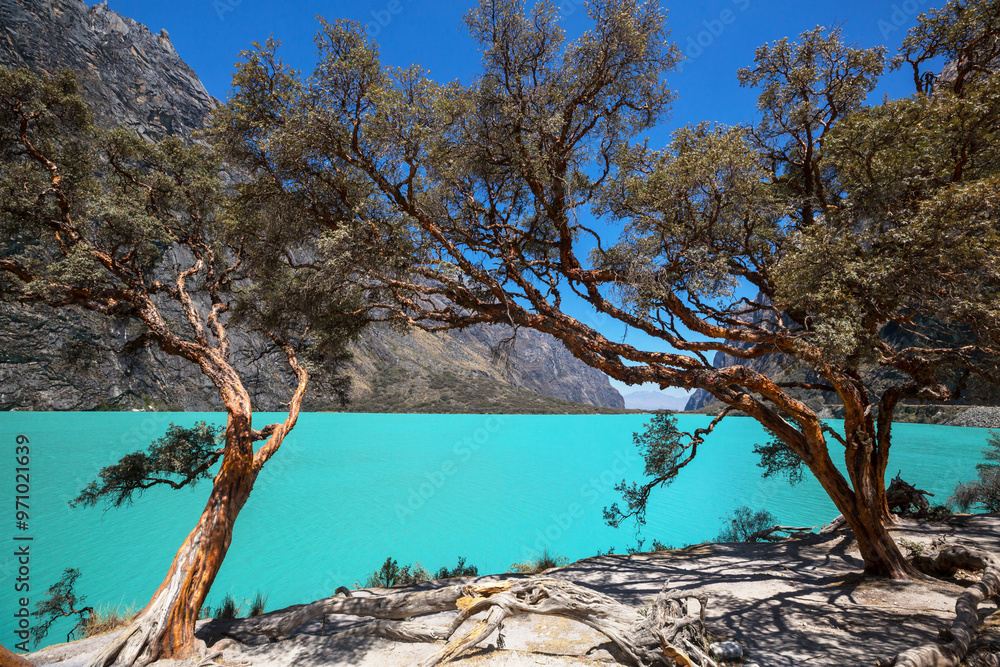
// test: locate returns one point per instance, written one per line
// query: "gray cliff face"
(537, 363)
(65, 359)
(131, 76)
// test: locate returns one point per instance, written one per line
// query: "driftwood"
(834, 525)
(903, 496)
(772, 534)
(954, 644)
(670, 632)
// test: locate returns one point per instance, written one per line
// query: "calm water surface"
(347, 490)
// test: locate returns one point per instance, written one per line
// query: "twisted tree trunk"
(165, 627)
(860, 505)
(862, 502)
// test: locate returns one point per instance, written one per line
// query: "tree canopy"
(158, 238)
(865, 229)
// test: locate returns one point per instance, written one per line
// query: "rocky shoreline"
(978, 417)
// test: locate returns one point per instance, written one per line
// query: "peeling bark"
(165, 627)
(9, 659)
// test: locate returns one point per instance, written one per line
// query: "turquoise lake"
(347, 490)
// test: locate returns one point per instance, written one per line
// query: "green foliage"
(413, 574)
(661, 546)
(665, 450)
(961, 33)
(229, 609)
(805, 86)
(116, 206)
(716, 173)
(985, 491)
(913, 549)
(777, 458)
(180, 457)
(639, 547)
(744, 524)
(386, 576)
(109, 222)
(867, 228)
(390, 574)
(60, 601)
(460, 570)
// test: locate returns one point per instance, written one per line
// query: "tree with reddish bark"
(867, 233)
(142, 234)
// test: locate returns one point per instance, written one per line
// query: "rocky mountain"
(65, 360)
(130, 76)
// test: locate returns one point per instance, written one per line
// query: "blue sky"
(717, 38)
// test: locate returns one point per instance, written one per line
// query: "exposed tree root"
(667, 633)
(954, 645)
(907, 498)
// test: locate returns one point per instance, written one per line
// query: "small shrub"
(985, 491)
(257, 604)
(743, 525)
(460, 570)
(413, 574)
(545, 561)
(660, 546)
(107, 619)
(913, 549)
(384, 577)
(390, 574)
(228, 610)
(637, 549)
